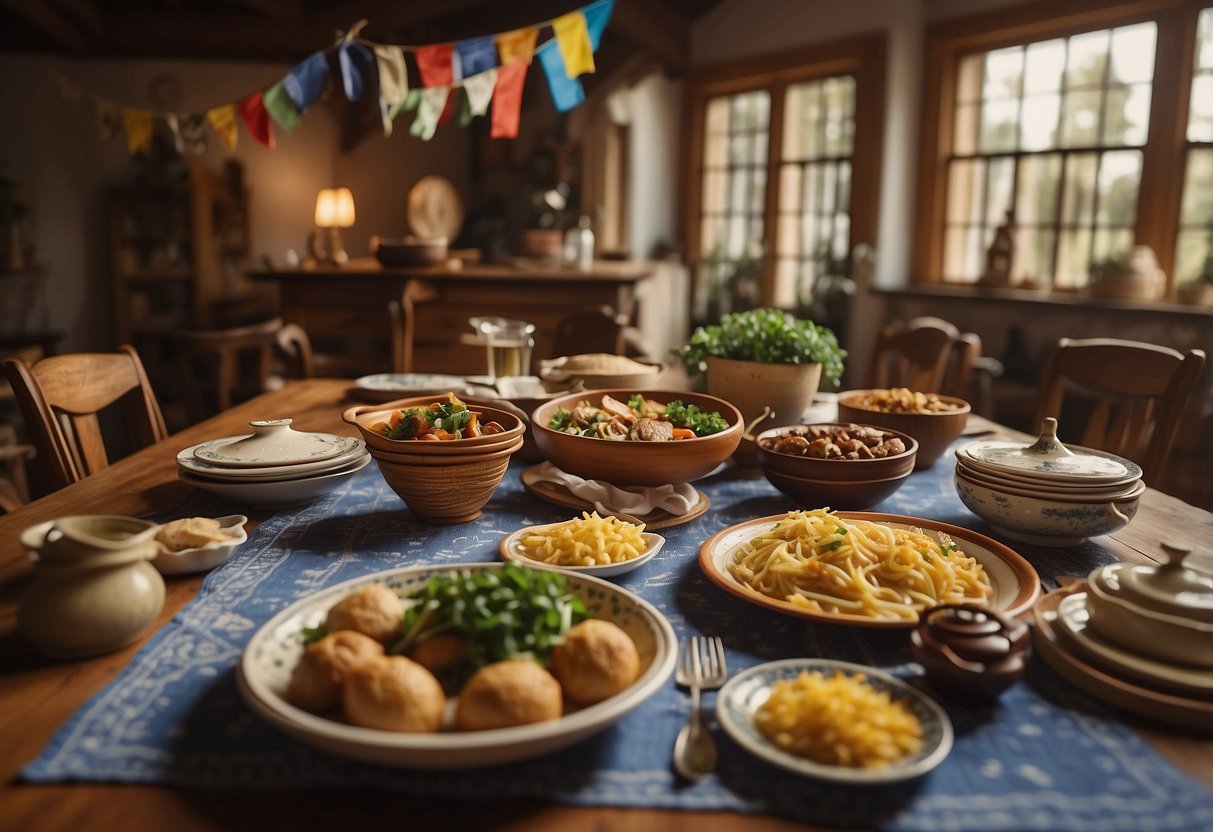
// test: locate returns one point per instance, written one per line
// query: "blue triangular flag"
(356, 61)
(567, 92)
(476, 55)
(596, 17)
(307, 79)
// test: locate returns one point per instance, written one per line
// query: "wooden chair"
(1138, 393)
(920, 355)
(222, 367)
(61, 399)
(590, 330)
(14, 487)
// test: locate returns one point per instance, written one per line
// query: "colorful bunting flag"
(281, 108)
(355, 61)
(479, 90)
(393, 74)
(434, 64)
(223, 121)
(410, 102)
(256, 119)
(573, 38)
(138, 126)
(567, 92)
(597, 15)
(507, 100)
(109, 118)
(307, 79)
(192, 130)
(476, 56)
(429, 110)
(518, 45)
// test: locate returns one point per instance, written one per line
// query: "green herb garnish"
(690, 416)
(560, 419)
(831, 546)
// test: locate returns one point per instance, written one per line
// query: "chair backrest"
(590, 330)
(224, 366)
(1138, 394)
(61, 398)
(927, 355)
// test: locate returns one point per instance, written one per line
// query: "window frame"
(863, 58)
(1164, 155)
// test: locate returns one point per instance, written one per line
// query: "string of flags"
(459, 80)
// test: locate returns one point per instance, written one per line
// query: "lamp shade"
(335, 208)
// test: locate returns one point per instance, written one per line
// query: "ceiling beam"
(60, 28)
(276, 9)
(657, 29)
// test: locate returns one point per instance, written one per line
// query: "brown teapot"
(971, 653)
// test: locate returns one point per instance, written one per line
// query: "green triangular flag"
(465, 108)
(281, 108)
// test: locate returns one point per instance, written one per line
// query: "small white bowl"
(511, 549)
(204, 558)
(1045, 521)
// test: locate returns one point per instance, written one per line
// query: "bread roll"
(394, 693)
(440, 653)
(595, 661)
(511, 692)
(317, 679)
(373, 610)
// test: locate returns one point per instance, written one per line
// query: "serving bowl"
(512, 548)
(597, 371)
(1164, 612)
(934, 431)
(265, 670)
(837, 494)
(842, 470)
(203, 558)
(410, 251)
(1046, 521)
(364, 415)
(446, 489)
(637, 463)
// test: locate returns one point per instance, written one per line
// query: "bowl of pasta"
(637, 437)
(865, 569)
(934, 420)
(846, 466)
(601, 546)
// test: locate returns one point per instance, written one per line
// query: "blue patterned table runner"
(1047, 757)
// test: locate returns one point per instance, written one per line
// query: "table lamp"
(334, 210)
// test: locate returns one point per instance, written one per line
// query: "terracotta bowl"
(446, 491)
(837, 470)
(364, 415)
(637, 463)
(836, 494)
(934, 431)
(411, 251)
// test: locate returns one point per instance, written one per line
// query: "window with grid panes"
(1194, 244)
(781, 172)
(1049, 135)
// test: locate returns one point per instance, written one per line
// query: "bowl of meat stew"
(637, 437)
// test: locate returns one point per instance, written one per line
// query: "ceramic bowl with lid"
(1163, 611)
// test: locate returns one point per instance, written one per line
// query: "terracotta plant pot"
(751, 386)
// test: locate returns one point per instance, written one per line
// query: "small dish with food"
(935, 420)
(434, 425)
(637, 437)
(601, 546)
(596, 371)
(835, 721)
(198, 544)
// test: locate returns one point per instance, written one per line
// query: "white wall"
(655, 105)
(53, 147)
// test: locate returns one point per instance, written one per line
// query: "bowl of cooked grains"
(934, 420)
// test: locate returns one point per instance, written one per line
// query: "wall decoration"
(473, 73)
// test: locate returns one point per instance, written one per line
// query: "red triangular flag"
(434, 65)
(452, 104)
(507, 100)
(256, 119)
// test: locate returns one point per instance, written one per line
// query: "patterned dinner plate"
(271, 655)
(349, 449)
(1016, 584)
(740, 699)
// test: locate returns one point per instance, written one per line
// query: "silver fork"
(701, 667)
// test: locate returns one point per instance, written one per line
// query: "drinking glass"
(508, 343)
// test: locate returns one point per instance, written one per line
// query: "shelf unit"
(177, 258)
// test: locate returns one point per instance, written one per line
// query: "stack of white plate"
(274, 466)
(1047, 493)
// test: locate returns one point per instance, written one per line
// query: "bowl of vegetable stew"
(637, 437)
(405, 434)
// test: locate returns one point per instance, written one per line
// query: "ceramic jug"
(93, 588)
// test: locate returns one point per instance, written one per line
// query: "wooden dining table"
(39, 694)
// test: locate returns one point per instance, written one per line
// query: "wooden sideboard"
(346, 309)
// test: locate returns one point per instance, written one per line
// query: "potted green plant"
(764, 361)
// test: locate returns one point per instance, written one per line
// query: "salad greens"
(690, 416)
(503, 613)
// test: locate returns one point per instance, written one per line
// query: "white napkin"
(636, 500)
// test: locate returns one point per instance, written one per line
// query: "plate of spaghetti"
(836, 721)
(865, 568)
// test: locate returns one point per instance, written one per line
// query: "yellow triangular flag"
(138, 126)
(223, 120)
(573, 38)
(518, 45)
